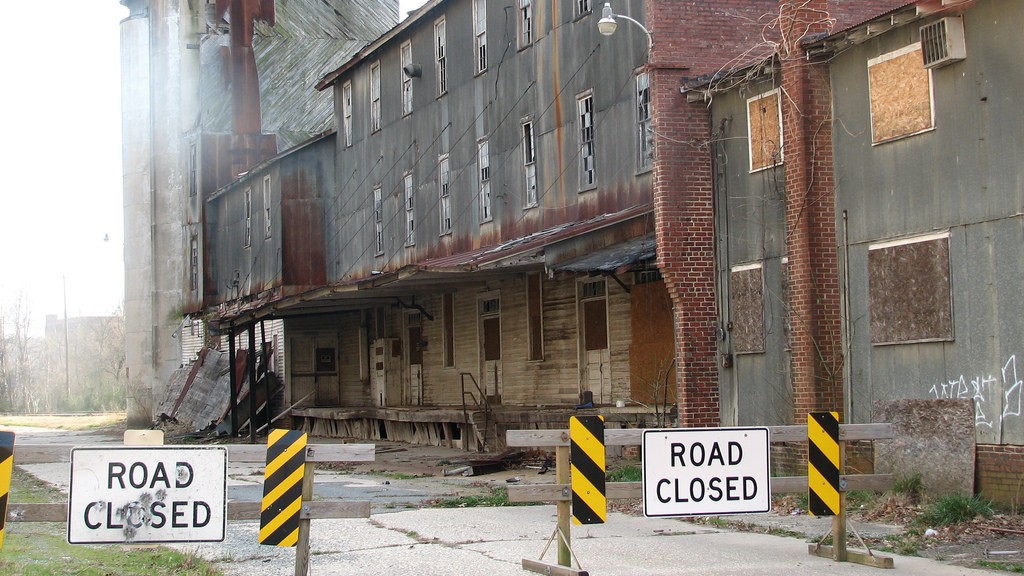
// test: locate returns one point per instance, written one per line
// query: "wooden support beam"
(47, 453)
(315, 510)
(855, 556)
(634, 436)
(551, 569)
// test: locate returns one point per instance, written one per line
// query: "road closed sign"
(153, 494)
(706, 471)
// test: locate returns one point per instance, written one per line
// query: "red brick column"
(810, 217)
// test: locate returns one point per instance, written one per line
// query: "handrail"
(486, 405)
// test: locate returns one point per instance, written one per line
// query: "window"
(747, 308)
(410, 210)
(901, 95)
(448, 326)
(406, 78)
(585, 112)
(193, 263)
(480, 30)
(375, 96)
(530, 163)
(484, 163)
(444, 204)
(909, 290)
(525, 23)
(346, 112)
(440, 55)
(378, 221)
(193, 167)
(583, 7)
(644, 134)
(534, 327)
(267, 213)
(764, 125)
(247, 230)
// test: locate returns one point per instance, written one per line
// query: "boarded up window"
(910, 291)
(901, 94)
(535, 332)
(764, 127)
(448, 325)
(747, 309)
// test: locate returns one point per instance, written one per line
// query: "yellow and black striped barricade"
(823, 463)
(282, 488)
(6, 467)
(587, 457)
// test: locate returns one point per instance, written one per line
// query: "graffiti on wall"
(996, 397)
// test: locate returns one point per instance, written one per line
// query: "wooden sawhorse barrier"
(561, 491)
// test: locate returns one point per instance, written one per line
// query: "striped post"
(823, 464)
(282, 488)
(6, 467)
(587, 455)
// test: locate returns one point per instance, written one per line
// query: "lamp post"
(608, 24)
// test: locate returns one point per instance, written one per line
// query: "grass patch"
(954, 509)
(42, 550)
(1004, 566)
(65, 422)
(628, 473)
(27, 489)
(911, 486)
(497, 497)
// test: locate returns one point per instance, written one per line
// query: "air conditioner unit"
(942, 42)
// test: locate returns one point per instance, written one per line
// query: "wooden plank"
(42, 512)
(624, 490)
(551, 569)
(634, 436)
(317, 509)
(855, 556)
(42, 453)
(314, 453)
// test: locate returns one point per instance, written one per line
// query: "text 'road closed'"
(154, 494)
(706, 471)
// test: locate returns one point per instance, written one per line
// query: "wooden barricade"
(561, 492)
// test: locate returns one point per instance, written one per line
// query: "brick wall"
(999, 473)
(810, 216)
(692, 39)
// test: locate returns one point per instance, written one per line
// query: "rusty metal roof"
(432, 275)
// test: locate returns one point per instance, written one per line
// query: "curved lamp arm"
(608, 24)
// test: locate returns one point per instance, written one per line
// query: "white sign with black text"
(152, 494)
(706, 471)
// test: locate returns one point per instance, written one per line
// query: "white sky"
(61, 157)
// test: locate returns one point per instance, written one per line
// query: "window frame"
(525, 25)
(406, 59)
(346, 112)
(378, 220)
(480, 35)
(645, 131)
(582, 8)
(529, 145)
(410, 208)
(441, 55)
(376, 119)
(268, 222)
(247, 213)
(483, 157)
(444, 206)
(587, 144)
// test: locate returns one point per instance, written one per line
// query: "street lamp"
(608, 24)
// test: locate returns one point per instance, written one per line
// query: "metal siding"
(963, 177)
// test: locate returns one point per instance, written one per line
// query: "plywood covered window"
(909, 287)
(490, 319)
(764, 128)
(535, 326)
(901, 95)
(747, 308)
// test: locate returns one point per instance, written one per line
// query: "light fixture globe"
(607, 24)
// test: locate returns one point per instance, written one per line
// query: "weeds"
(955, 508)
(497, 497)
(628, 473)
(1005, 567)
